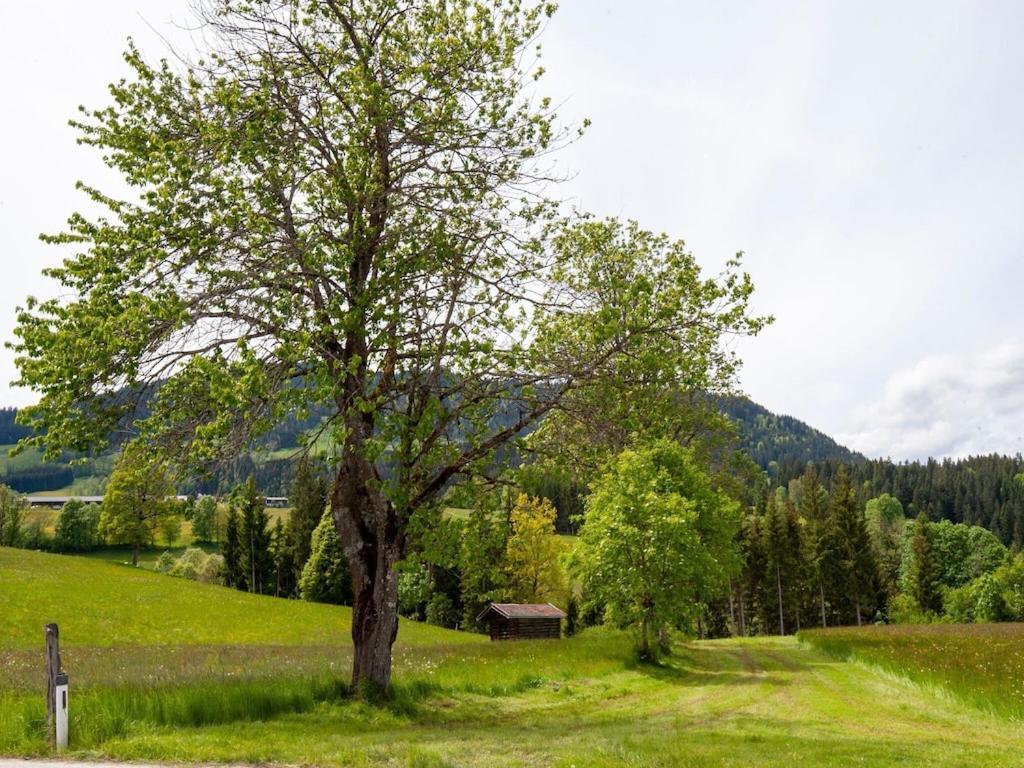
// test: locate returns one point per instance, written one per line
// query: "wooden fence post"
(52, 670)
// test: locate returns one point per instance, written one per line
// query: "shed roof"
(523, 611)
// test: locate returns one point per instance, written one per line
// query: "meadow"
(981, 664)
(164, 669)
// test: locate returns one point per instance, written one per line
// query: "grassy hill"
(169, 670)
(101, 604)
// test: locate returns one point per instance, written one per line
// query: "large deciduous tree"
(658, 538)
(344, 202)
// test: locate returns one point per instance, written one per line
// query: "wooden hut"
(523, 621)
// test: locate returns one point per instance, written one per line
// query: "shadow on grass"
(716, 666)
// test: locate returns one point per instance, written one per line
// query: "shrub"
(989, 604)
(440, 611)
(212, 570)
(165, 562)
(414, 590)
(190, 564)
(903, 609)
(77, 527)
(959, 605)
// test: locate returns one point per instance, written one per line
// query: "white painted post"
(62, 710)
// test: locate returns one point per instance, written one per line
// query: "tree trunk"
(857, 604)
(663, 640)
(135, 554)
(821, 595)
(743, 619)
(732, 608)
(368, 528)
(374, 629)
(645, 644)
(778, 585)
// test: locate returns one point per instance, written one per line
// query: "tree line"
(825, 552)
(986, 491)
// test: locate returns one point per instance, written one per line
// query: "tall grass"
(101, 714)
(116, 695)
(980, 664)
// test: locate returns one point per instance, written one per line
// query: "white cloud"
(948, 405)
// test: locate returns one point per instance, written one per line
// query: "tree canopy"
(345, 203)
(658, 539)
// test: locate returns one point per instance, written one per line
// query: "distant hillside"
(770, 438)
(767, 437)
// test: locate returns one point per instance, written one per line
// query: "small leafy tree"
(657, 538)
(138, 498)
(12, 511)
(325, 579)
(414, 590)
(77, 528)
(170, 529)
(204, 519)
(534, 573)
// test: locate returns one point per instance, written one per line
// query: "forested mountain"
(10, 432)
(978, 490)
(769, 438)
(981, 490)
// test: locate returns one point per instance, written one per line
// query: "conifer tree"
(326, 577)
(482, 559)
(254, 537)
(924, 578)
(308, 500)
(797, 566)
(282, 550)
(781, 555)
(752, 601)
(856, 568)
(812, 507)
(232, 552)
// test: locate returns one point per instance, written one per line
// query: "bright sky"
(867, 157)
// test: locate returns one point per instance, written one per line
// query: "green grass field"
(981, 664)
(164, 669)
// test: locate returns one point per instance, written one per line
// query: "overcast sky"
(867, 157)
